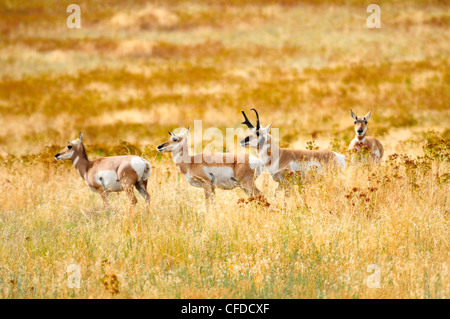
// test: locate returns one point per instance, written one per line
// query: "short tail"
(146, 171)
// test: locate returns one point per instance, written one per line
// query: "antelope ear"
(268, 127)
(353, 114)
(186, 131)
(368, 115)
(79, 140)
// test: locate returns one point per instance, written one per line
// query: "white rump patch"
(341, 160)
(256, 165)
(221, 176)
(108, 180)
(140, 167)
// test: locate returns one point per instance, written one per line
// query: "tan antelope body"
(109, 174)
(211, 171)
(280, 162)
(362, 142)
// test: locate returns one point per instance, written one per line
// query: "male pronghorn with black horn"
(280, 162)
(361, 141)
(109, 174)
(211, 171)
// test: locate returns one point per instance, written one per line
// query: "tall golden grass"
(136, 70)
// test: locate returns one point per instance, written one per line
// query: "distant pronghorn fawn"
(361, 141)
(109, 174)
(211, 171)
(282, 162)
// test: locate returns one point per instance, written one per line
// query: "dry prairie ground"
(136, 70)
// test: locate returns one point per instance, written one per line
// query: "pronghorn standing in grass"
(109, 174)
(361, 141)
(211, 171)
(282, 162)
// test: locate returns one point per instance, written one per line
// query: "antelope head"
(175, 141)
(361, 123)
(72, 147)
(258, 135)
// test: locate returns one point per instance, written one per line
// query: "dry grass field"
(136, 69)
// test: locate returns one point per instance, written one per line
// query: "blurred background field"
(137, 69)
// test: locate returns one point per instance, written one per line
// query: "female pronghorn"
(209, 171)
(280, 162)
(361, 141)
(109, 174)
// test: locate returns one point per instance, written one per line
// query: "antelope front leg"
(209, 196)
(130, 193)
(142, 189)
(283, 185)
(104, 195)
(287, 190)
(279, 189)
(250, 188)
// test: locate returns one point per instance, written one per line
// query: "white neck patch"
(76, 160)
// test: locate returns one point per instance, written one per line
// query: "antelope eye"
(174, 139)
(69, 147)
(355, 122)
(365, 122)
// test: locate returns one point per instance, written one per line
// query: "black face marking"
(245, 141)
(69, 147)
(261, 142)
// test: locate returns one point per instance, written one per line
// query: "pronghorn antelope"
(281, 162)
(211, 171)
(109, 174)
(361, 141)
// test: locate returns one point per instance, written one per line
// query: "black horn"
(247, 122)
(257, 119)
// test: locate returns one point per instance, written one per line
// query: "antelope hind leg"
(142, 189)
